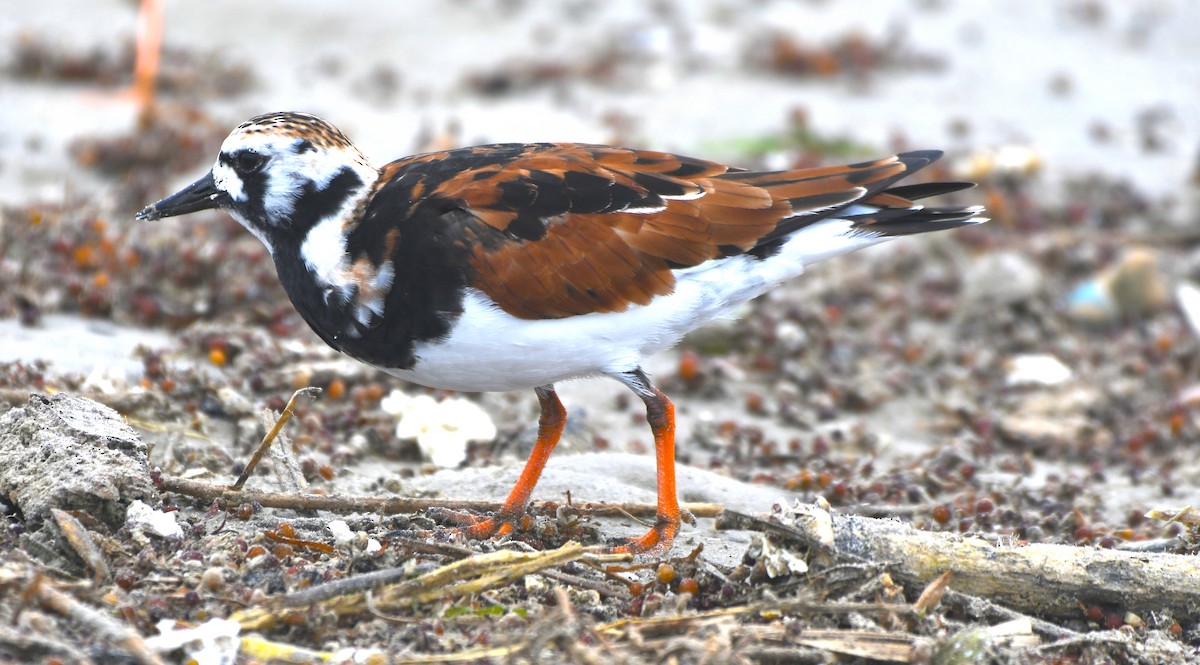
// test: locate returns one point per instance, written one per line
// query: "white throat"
(324, 248)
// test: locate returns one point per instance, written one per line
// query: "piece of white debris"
(342, 535)
(214, 642)
(235, 403)
(1188, 297)
(395, 403)
(358, 656)
(373, 546)
(1040, 369)
(790, 335)
(104, 379)
(777, 561)
(156, 522)
(441, 429)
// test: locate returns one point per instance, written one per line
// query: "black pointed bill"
(200, 195)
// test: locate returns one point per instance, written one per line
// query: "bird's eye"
(248, 161)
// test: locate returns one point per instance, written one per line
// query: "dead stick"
(987, 609)
(1043, 579)
(605, 590)
(104, 625)
(266, 442)
(456, 552)
(25, 641)
(980, 606)
(369, 581)
(399, 505)
(732, 519)
(459, 578)
(659, 626)
(357, 584)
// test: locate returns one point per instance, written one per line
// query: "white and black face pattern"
(280, 185)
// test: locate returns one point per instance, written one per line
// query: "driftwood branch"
(399, 505)
(1047, 580)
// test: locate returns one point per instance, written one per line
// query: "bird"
(521, 265)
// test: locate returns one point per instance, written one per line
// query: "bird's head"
(279, 175)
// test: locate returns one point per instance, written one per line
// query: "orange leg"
(147, 53)
(660, 413)
(550, 427)
(149, 46)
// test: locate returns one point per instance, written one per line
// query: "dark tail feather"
(927, 189)
(903, 222)
(896, 215)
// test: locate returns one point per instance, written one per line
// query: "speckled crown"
(299, 125)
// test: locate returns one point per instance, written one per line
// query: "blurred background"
(1035, 363)
(1077, 87)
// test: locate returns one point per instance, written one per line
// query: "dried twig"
(105, 626)
(29, 643)
(932, 594)
(460, 578)
(271, 434)
(1108, 637)
(346, 586)
(732, 519)
(400, 505)
(605, 590)
(654, 634)
(986, 609)
(287, 471)
(479, 655)
(888, 647)
(458, 552)
(483, 572)
(792, 655)
(671, 625)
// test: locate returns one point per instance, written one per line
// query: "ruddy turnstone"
(521, 265)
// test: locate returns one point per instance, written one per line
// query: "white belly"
(491, 350)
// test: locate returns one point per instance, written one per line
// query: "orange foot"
(477, 527)
(492, 527)
(512, 511)
(656, 541)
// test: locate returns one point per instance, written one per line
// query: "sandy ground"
(881, 384)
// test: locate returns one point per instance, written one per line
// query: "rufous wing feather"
(568, 229)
